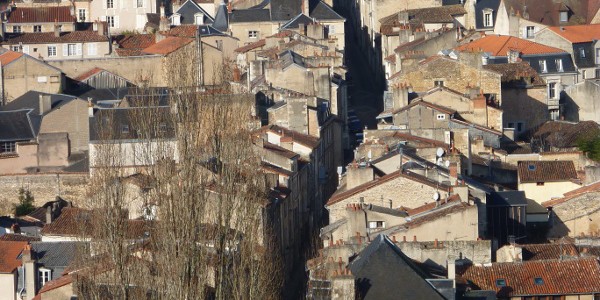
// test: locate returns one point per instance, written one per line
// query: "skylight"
(501, 282)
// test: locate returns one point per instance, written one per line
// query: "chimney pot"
(404, 239)
(414, 238)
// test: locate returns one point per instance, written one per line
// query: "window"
(488, 20)
(543, 66)
(583, 74)
(531, 167)
(564, 16)
(598, 56)
(253, 34)
(81, 15)
(42, 79)
(176, 21)
(60, 28)
(559, 65)
(37, 28)
(54, 78)
(552, 90)
(35, 49)
(530, 32)
(111, 21)
(331, 29)
(376, 224)
(438, 83)
(538, 281)
(51, 51)
(597, 73)
(44, 276)
(500, 282)
(125, 128)
(16, 28)
(8, 147)
(511, 125)
(92, 49)
(519, 126)
(581, 52)
(441, 117)
(199, 19)
(15, 48)
(539, 183)
(110, 4)
(71, 49)
(139, 3)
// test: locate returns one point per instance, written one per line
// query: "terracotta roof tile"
(49, 37)
(137, 41)
(187, 31)
(545, 171)
(561, 134)
(432, 205)
(438, 14)
(499, 45)
(17, 238)
(9, 253)
(9, 56)
(88, 74)
(56, 283)
(259, 44)
(547, 251)
(578, 33)
(438, 213)
(279, 150)
(304, 139)
(60, 14)
(516, 72)
(566, 277)
(168, 45)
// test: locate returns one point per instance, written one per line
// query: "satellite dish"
(436, 196)
(439, 152)
(447, 164)
(340, 169)
(440, 161)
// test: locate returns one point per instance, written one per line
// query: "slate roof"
(439, 14)
(578, 33)
(283, 10)
(479, 8)
(546, 171)
(16, 125)
(188, 10)
(107, 124)
(323, 12)
(249, 15)
(9, 255)
(566, 277)
(382, 271)
(55, 254)
(562, 134)
(297, 20)
(168, 45)
(60, 14)
(209, 30)
(507, 198)
(499, 45)
(221, 21)
(289, 58)
(31, 101)
(49, 37)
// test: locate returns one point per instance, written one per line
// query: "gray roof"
(290, 57)
(283, 10)
(16, 125)
(322, 11)
(296, 21)
(249, 15)
(31, 100)
(123, 124)
(382, 271)
(55, 254)
(189, 9)
(507, 198)
(208, 30)
(221, 18)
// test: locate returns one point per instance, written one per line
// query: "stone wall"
(478, 252)
(43, 187)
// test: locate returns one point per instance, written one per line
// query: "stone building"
(576, 213)
(544, 180)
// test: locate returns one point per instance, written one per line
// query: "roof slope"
(590, 188)
(15, 125)
(49, 37)
(55, 254)
(322, 11)
(544, 171)
(500, 45)
(577, 276)
(188, 11)
(439, 14)
(9, 255)
(249, 15)
(51, 14)
(168, 45)
(382, 271)
(8, 57)
(578, 33)
(562, 134)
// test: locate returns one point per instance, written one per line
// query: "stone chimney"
(480, 110)
(56, 29)
(162, 11)
(90, 108)
(452, 269)
(45, 103)
(357, 174)
(305, 7)
(30, 271)
(163, 24)
(453, 173)
(400, 96)
(49, 215)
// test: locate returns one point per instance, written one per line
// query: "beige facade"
(575, 215)
(64, 50)
(7, 286)
(242, 31)
(123, 15)
(545, 191)
(72, 119)
(27, 73)
(44, 27)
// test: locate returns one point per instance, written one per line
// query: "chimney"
(453, 173)
(56, 29)
(163, 24)
(90, 108)
(452, 269)
(49, 214)
(30, 271)
(305, 7)
(162, 11)
(100, 29)
(45, 103)
(358, 174)
(400, 96)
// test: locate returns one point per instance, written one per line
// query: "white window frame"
(15, 48)
(198, 19)
(176, 19)
(331, 29)
(92, 49)
(8, 147)
(376, 224)
(139, 3)
(81, 13)
(543, 66)
(38, 27)
(441, 116)
(559, 65)
(52, 53)
(563, 16)
(253, 34)
(71, 49)
(530, 32)
(552, 94)
(581, 52)
(583, 74)
(17, 29)
(110, 3)
(488, 18)
(112, 21)
(44, 275)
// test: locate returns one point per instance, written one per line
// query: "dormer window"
(488, 20)
(564, 16)
(581, 52)
(176, 20)
(543, 66)
(559, 65)
(44, 276)
(198, 19)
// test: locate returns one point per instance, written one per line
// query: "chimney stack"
(452, 269)
(45, 103)
(162, 11)
(30, 275)
(56, 29)
(49, 214)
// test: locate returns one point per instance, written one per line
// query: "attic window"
(538, 281)
(582, 53)
(564, 16)
(500, 282)
(488, 20)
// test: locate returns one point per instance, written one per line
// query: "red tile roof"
(259, 44)
(9, 253)
(88, 74)
(49, 37)
(546, 171)
(168, 45)
(499, 45)
(547, 251)
(56, 283)
(9, 56)
(188, 31)
(15, 237)
(578, 33)
(137, 41)
(438, 213)
(590, 188)
(566, 277)
(60, 14)
(300, 138)
(432, 205)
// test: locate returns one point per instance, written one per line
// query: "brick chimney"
(400, 96)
